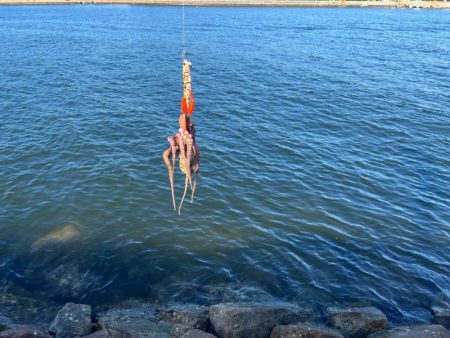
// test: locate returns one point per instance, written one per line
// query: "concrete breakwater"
(245, 3)
(226, 320)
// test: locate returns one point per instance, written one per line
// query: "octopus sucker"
(170, 167)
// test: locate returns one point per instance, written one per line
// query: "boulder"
(253, 320)
(140, 322)
(357, 322)
(415, 331)
(441, 316)
(72, 320)
(184, 318)
(21, 331)
(197, 334)
(191, 315)
(307, 330)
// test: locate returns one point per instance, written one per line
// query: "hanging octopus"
(183, 143)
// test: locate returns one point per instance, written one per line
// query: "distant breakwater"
(246, 3)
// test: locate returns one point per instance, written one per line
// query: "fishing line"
(183, 52)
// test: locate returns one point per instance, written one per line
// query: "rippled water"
(325, 156)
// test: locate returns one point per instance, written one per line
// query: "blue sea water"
(325, 143)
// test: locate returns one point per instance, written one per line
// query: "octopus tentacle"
(182, 149)
(173, 147)
(197, 158)
(184, 194)
(188, 158)
(196, 169)
(166, 155)
(194, 187)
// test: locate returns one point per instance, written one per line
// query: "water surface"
(325, 152)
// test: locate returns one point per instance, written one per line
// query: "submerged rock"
(357, 322)
(98, 334)
(23, 331)
(70, 281)
(23, 306)
(197, 334)
(307, 330)
(414, 331)
(135, 322)
(72, 320)
(441, 316)
(253, 320)
(61, 235)
(5, 322)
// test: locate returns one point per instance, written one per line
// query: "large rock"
(184, 318)
(140, 322)
(441, 315)
(415, 331)
(72, 320)
(21, 331)
(253, 320)
(357, 322)
(307, 330)
(197, 334)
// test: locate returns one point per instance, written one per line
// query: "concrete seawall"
(245, 3)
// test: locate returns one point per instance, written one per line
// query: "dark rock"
(253, 320)
(197, 334)
(24, 332)
(140, 322)
(307, 330)
(5, 323)
(357, 322)
(441, 316)
(177, 330)
(72, 320)
(24, 306)
(415, 331)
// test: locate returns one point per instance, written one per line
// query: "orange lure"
(187, 102)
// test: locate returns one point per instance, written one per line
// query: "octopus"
(182, 145)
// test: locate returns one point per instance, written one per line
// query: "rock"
(415, 331)
(191, 315)
(98, 334)
(140, 322)
(441, 316)
(177, 330)
(24, 332)
(184, 318)
(357, 322)
(70, 281)
(63, 234)
(307, 330)
(253, 320)
(197, 334)
(72, 320)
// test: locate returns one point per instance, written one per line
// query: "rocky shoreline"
(225, 320)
